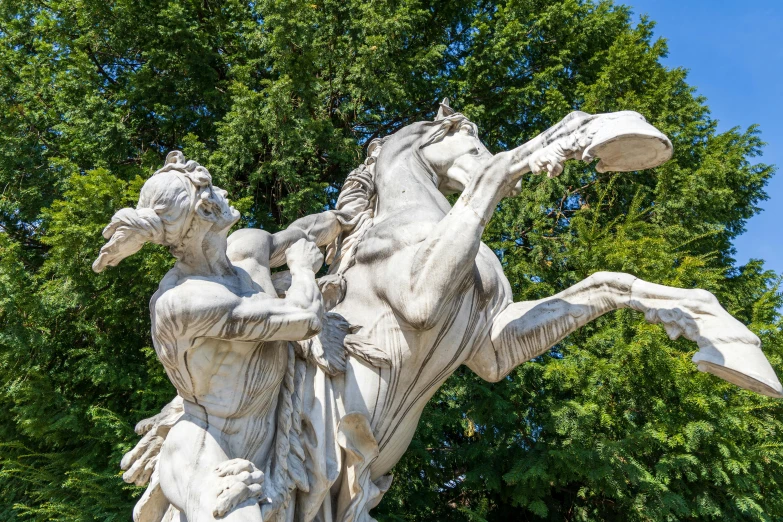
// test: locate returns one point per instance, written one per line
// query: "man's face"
(217, 208)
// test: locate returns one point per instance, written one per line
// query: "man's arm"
(320, 228)
(295, 317)
(220, 314)
(255, 249)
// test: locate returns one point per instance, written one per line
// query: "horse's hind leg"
(528, 329)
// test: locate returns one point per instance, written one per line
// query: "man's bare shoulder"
(194, 296)
(248, 243)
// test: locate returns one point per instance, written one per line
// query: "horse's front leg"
(726, 347)
(439, 268)
(445, 259)
(442, 263)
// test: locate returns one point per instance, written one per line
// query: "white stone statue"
(411, 295)
(220, 331)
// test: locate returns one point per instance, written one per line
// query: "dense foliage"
(277, 98)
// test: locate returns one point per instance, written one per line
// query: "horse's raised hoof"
(727, 348)
(742, 364)
(625, 142)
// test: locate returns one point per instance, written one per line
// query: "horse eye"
(467, 129)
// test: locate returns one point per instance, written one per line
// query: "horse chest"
(420, 359)
(395, 234)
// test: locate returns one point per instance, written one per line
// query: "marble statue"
(297, 396)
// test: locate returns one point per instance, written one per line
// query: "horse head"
(451, 150)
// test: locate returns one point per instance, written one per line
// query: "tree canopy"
(277, 98)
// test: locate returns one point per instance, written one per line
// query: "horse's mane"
(357, 198)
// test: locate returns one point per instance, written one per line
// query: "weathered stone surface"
(297, 396)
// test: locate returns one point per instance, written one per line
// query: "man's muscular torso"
(232, 385)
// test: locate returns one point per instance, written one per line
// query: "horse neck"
(403, 183)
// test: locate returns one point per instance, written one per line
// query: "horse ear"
(444, 110)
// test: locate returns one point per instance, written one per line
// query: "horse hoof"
(625, 142)
(742, 364)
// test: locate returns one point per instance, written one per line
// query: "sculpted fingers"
(241, 481)
(549, 159)
(255, 477)
(145, 425)
(130, 457)
(140, 462)
(249, 477)
(228, 499)
(164, 420)
(552, 157)
(143, 475)
(138, 450)
(234, 495)
(234, 467)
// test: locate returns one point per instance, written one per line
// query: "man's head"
(177, 206)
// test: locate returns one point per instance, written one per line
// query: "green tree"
(277, 99)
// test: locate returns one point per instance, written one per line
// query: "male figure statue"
(220, 331)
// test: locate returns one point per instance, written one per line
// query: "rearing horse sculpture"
(429, 294)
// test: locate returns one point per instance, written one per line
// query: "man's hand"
(304, 254)
(551, 159)
(240, 481)
(321, 229)
(140, 462)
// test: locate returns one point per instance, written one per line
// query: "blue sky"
(733, 51)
